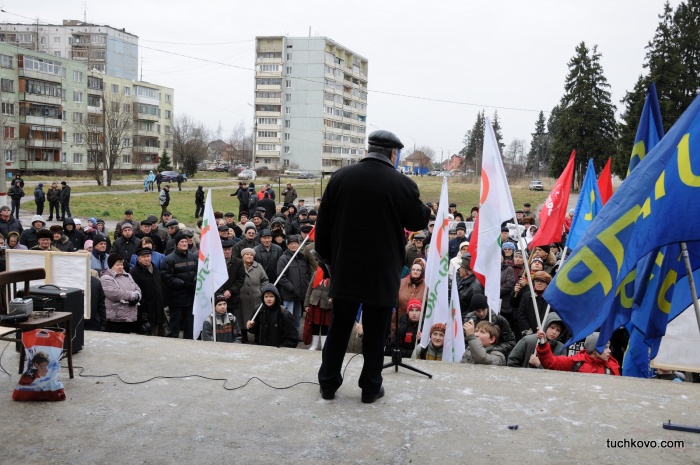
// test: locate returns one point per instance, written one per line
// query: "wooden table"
(54, 320)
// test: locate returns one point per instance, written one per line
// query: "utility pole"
(3, 180)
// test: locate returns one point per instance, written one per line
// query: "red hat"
(414, 303)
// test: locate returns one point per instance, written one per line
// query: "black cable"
(1, 354)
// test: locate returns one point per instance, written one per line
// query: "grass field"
(111, 203)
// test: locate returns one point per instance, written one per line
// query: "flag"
(453, 348)
(605, 183)
(650, 129)
(211, 269)
(554, 209)
(588, 205)
(496, 206)
(436, 270)
(651, 209)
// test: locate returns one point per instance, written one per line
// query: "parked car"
(171, 176)
(536, 185)
(223, 168)
(305, 175)
(248, 175)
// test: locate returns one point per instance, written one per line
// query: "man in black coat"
(149, 281)
(179, 273)
(231, 289)
(269, 205)
(396, 201)
(64, 198)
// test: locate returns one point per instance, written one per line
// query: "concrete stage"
(459, 416)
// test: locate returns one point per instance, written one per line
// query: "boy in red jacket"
(588, 360)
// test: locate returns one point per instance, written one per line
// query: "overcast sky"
(508, 55)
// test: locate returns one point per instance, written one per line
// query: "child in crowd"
(523, 355)
(408, 333)
(275, 325)
(227, 329)
(588, 360)
(437, 341)
(480, 344)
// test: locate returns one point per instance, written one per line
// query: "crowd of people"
(144, 278)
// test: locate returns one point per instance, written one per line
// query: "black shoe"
(370, 398)
(327, 394)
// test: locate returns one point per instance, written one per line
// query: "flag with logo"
(211, 269)
(436, 271)
(587, 207)
(453, 347)
(496, 207)
(555, 207)
(650, 129)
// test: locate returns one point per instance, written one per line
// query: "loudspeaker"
(62, 299)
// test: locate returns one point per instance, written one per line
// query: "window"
(268, 147)
(42, 40)
(146, 92)
(288, 110)
(78, 158)
(77, 117)
(77, 96)
(126, 159)
(95, 101)
(9, 132)
(286, 136)
(63, 94)
(168, 98)
(127, 108)
(269, 54)
(115, 88)
(127, 91)
(64, 157)
(168, 114)
(288, 83)
(126, 142)
(269, 81)
(286, 162)
(77, 76)
(114, 107)
(7, 85)
(286, 149)
(57, 40)
(275, 108)
(97, 39)
(64, 116)
(8, 108)
(289, 70)
(269, 68)
(168, 130)
(288, 97)
(267, 94)
(65, 137)
(289, 56)
(267, 133)
(269, 121)
(287, 124)
(57, 53)
(77, 138)
(9, 155)
(6, 61)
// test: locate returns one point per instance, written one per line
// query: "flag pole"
(282, 273)
(563, 259)
(691, 281)
(420, 321)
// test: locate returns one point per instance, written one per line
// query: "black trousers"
(54, 207)
(199, 210)
(375, 322)
(180, 314)
(39, 208)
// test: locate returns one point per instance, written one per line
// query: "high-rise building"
(102, 48)
(310, 104)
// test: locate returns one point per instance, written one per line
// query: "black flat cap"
(171, 223)
(385, 139)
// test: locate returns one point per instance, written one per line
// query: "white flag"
(454, 347)
(436, 273)
(496, 207)
(211, 269)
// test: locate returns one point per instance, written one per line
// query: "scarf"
(433, 353)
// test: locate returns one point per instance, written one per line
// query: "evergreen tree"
(496, 124)
(586, 117)
(165, 162)
(474, 143)
(539, 147)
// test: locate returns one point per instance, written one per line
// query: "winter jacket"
(243, 198)
(295, 281)
(406, 336)
(199, 196)
(15, 193)
(29, 237)
(506, 341)
(227, 328)
(411, 254)
(268, 259)
(290, 195)
(243, 244)
(526, 311)
(39, 196)
(477, 354)
(64, 196)
(318, 295)
(12, 224)
(407, 291)
(125, 248)
(467, 288)
(269, 206)
(53, 194)
(588, 364)
(507, 284)
(156, 258)
(520, 355)
(75, 236)
(120, 291)
(98, 262)
(251, 294)
(64, 244)
(234, 283)
(152, 299)
(98, 310)
(179, 273)
(274, 325)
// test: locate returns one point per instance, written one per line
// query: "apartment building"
(102, 48)
(310, 104)
(56, 112)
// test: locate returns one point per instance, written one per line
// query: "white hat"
(38, 218)
(77, 221)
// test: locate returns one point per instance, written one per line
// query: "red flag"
(605, 183)
(554, 209)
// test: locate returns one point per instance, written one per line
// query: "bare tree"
(514, 158)
(189, 143)
(241, 145)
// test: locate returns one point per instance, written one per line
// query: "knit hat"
(590, 342)
(249, 225)
(44, 234)
(126, 225)
(438, 327)
(508, 245)
(461, 225)
(38, 218)
(306, 229)
(248, 250)
(219, 298)
(113, 258)
(87, 244)
(97, 239)
(544, 247)
(538, 259)
(414, 303)
(478, 302)
(178, 237)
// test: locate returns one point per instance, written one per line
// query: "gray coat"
(520, 355)
(477, 354)
(118, 288)
(251, 295)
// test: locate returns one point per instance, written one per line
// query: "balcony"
(273, 61)
(145, 149)
(146, 117)
(268, 140)
(42, 120)
(31, 73)
(268, 101)
(270, 114)
(42, 143)
(269, 87)
(145, 132)
(94, 109)
(39, 98)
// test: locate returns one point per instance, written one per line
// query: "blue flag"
(653, 207)
(650, 129)
(588, 205)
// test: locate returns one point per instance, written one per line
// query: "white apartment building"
(310, 104)
(102, 48)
